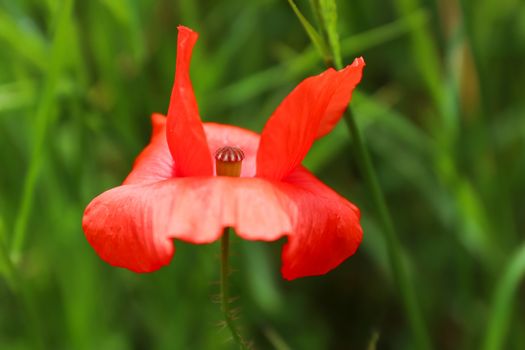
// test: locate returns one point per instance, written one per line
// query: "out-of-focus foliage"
(442, 108)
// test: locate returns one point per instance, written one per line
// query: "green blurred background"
(441, 107)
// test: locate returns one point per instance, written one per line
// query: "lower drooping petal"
(326, 228)
(132, 226)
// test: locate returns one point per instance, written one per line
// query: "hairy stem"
(225, 296)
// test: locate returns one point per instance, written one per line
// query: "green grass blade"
(297, 66)
(125, 13)
(397, 255)
(16, 95)
(316, 39)
(6, 266)
(328, 13)
(425, 52)
(26, 43)
(506, 288)
(43, 117)
(385, 33)
(396, 252)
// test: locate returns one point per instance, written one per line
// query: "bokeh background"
(442, 110)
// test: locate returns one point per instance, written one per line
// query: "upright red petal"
(342, 97)
(311, 110)
(186, 138)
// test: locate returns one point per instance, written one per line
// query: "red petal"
(132, 226)
(311, 110)
(326, 227)
(342, 97)
(155, 162)
(186, 138)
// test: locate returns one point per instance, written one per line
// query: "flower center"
(228, 161)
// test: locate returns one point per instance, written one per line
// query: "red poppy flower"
(172, 191)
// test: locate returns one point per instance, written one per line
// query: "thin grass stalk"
(23, 294)
(43, 118)
(498, 323)
(394, 248)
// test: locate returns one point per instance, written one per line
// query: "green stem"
(501, 313)
(225, 296)
(394, 248)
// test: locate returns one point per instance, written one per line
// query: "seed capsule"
(228, 161)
